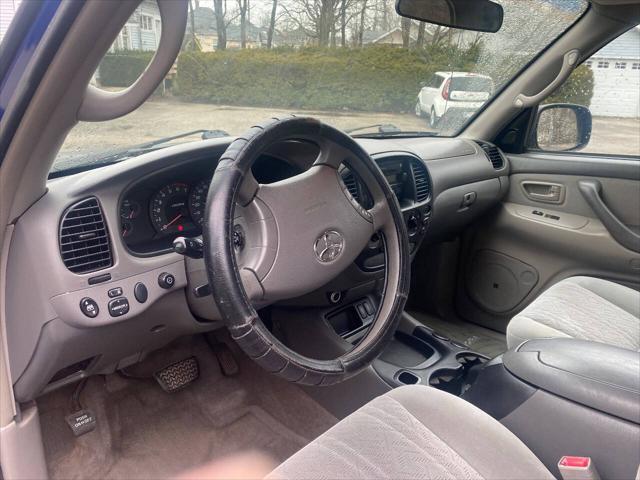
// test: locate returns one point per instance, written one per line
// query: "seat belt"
(578, 468)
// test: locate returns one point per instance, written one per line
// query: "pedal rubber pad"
(81, 422)
(178, 375)
(225, 357)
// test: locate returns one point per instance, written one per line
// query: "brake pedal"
(178, 375)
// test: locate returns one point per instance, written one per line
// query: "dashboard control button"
(89, 307)
(140, 292)
(166, 280)
(115, 292)
(118, 307)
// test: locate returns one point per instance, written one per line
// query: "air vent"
(493, 154)
(421, 179)
(84, 241)
(352, 185)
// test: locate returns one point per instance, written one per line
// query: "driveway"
(163, 117)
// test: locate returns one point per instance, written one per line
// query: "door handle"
(543, 191)
(591, 191)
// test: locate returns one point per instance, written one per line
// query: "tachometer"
(169, 209)
(198, 200)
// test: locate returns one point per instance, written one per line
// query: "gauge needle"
(178, 217)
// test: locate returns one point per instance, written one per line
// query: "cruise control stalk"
(189, 247)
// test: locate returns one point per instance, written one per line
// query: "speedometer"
(198, 200)
(169, 209)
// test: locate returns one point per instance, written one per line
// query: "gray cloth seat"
(585, 308)
(415, 432)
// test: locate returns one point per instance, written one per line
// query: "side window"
(608, 85)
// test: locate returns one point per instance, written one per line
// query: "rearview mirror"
(478, 15)
(562, 127)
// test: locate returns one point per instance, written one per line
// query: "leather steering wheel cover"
(237, 312)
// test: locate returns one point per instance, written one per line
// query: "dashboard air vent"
(493, 154)
(351, 183)
(84, 241)
(421, 179)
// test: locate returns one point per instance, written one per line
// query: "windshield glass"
(350, 63)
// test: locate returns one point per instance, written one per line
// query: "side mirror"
(477, 15)
(561, 127)
(424, 84)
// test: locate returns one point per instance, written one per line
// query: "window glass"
(132, 49)
(353, 64)
(609, 85)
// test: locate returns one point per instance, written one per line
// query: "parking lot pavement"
(160, 118)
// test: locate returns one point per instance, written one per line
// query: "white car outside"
(452, 90)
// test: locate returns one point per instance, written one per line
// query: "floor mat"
(144, 432)
(477, 338)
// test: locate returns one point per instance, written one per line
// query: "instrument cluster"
(168, 204)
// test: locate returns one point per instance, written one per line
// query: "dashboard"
(96, 284)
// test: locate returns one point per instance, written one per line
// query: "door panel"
(533, 243)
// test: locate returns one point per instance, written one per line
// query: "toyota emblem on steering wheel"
(329, 246)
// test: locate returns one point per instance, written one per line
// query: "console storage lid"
(596, 375)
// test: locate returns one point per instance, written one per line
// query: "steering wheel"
(269, 242)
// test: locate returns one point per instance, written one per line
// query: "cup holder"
(448, 379)
(468, 360)
(408, 378)
(453, 380)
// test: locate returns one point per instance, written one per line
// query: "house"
(8, 9)
(390, 37)
(142, 30)
(616, 77)
(204, 20)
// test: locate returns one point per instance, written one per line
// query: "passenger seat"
(585, 308)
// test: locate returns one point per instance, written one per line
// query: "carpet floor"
(144, 432)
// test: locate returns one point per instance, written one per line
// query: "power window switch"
(538, 212)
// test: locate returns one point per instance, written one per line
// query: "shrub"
(122, 69)
(375, 78)
(577, 89)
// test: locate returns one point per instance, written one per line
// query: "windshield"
(355, 64)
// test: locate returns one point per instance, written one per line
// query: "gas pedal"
(225, 357)
(178, 375)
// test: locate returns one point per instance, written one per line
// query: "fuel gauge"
(126, 228)
(129, 209)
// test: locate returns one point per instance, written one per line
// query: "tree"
(420, 39)
(243, 8)
(315, 17)
(192, 41)
(221, 26)
(405, 25)
(272, 23)
(363, 11)
(343, 23)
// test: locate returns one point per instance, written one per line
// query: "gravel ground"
(161, 118)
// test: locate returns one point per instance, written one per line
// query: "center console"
(565, 396)
(416, 355)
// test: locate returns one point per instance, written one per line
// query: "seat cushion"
(585, 308)
(415, 432)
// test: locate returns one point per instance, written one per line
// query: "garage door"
(616, 90)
